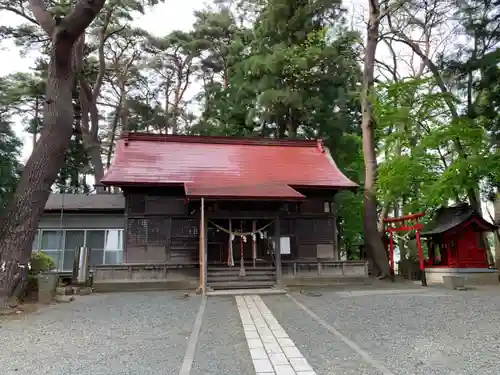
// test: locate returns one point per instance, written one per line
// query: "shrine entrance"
(232, 241)
(408, 224)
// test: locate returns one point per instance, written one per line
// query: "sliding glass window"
(106, 245)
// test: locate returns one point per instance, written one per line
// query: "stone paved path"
(350, 332)
(271, 349)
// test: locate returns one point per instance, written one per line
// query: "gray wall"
(82, 221)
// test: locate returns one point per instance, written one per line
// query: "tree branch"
(19, 12)
(42, 16)
(75, 24)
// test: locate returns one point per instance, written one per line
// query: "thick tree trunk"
(20, 223)
(18, 226)
(373, 242)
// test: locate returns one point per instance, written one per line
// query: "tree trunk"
(19, 224)
(373, 242)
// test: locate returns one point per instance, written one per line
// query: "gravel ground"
(412, 331)
(114, 334)
(222, 348)
(425, 332)
(327, 354)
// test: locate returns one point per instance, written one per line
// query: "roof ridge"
(257, 141)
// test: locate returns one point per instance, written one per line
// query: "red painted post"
(391, 252)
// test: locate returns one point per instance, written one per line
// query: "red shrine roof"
(225, 166)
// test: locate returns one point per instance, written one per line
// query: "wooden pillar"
(254, 243)
(336, 247)
(277, 250)
(202, 247)
(391, 252)
(205, 258)
(242, 260)
(230, 260)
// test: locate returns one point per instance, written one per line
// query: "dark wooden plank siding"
(146, 240)
(160, 205)
(135, 204)
(313, 206)
(165, 228)
(313, 231)
(158, 230)
(184, 245)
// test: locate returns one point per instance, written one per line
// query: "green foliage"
(418, 140)
(41, 262)
(10, 148)
(293, 74)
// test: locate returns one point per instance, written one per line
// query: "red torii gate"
(404, 224)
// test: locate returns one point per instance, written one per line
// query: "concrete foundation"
(471, 276)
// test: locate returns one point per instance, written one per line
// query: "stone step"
(237, 268)
(236, 272)
(225, 285)
(240, 278)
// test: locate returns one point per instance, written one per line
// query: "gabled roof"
(84, 202)
(225, 166)
(448, 218)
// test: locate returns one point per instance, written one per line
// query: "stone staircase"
(223, 277)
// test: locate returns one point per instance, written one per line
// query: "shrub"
(41, 262)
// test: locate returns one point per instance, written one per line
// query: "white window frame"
(38, 245)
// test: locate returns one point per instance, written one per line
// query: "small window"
(51, 240)
(328, 207)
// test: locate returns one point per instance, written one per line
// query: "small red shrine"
(455, 246)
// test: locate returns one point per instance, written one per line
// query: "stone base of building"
(472, 276)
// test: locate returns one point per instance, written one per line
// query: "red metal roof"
(224, 166)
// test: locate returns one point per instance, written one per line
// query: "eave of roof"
(450, 218)
(85, 203)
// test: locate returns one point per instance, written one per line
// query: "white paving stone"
(272, 351)
(252, 335)
(255, 343)
(278, 359)
(284, 370)
(263, 365)
(284, 342)
(258, 353)
(273, 348)
(300, 364)
(292, 352)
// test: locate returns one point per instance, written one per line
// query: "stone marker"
(47, 287)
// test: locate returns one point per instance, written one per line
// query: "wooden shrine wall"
(160, 229)
(165, 228)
